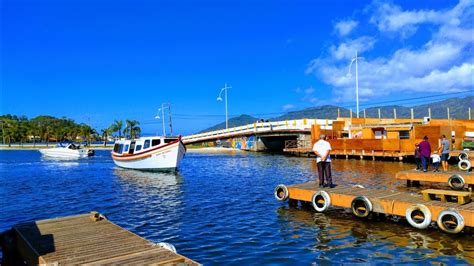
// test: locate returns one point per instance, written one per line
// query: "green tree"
(117, 127)
(105, 134)
(132, 130)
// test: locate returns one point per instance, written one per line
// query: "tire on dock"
(281, 192)
(456, 182)
(464, 165)
(463, 156)
(418, 216)
(361, 206)
(321, 201)
(450, 221)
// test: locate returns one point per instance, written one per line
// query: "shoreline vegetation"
(45, 131)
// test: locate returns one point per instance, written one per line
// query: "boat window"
(116, 148)
(146, 145)
(125, 149)
(155, 142)
(169, 140)
(121, 148)
(132, 147)
(138, 148)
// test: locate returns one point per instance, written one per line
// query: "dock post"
(365, 114)
(379, 114)
(429, 112)
(351, 113)
(338, 112)
(394, 113)
(412, 115)
(447, 110)
(469, 113)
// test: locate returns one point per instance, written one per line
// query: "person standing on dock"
(323, 159)
(417, 157)
(425, 151)
(444, 150)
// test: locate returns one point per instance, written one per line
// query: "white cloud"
(443, 64)
(287, 107)
(309, 90)
(347, 49)
(345, 27)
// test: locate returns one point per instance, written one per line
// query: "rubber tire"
(167, 246)
(285, 192)
(463, 156)
(366, 202)
(426, 212)
(327, 201)
(456, 215)
(459, 185)
(467, 163)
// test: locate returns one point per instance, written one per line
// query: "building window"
(146, 145)
(155, 142)
(139, 147)
(404, 134)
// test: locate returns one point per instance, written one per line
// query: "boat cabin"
(142, 144)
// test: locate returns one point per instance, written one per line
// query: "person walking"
(425, 151)
(322, 149)
(444, 149)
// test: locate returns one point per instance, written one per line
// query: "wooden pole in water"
(429, 112)
(469, 113)
(447, 109)
(351, 113)
(379, 114)
(394, 113)
(365, 115)
(412, 115)
(338, 112)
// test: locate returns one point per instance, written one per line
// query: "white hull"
(166, 158)
(64, 153)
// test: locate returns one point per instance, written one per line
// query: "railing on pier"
(261, 128)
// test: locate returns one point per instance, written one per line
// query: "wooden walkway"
(383, 201)
(83, 239)
(307, 152)
(435, 177)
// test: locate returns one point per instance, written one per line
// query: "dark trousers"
(324, 172)
(424, 162)
(418, 163)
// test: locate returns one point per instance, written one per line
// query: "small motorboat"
(69, 151)
(149, 153)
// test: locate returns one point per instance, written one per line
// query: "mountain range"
(458, 109)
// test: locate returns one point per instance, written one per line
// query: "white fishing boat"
(149, 153)
(69, 151)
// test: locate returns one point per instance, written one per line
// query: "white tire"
(167, 246)
(456, 182)
(418, 216)
(450, 221)
(361, 206)
(464, 165)
(463, 156)
(281, 192)
(321, 201)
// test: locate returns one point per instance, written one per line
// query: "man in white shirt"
(322, 148)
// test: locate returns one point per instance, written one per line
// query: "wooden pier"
(412, 176)
(450, 216)
(83, 239)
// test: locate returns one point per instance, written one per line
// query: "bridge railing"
(261, 127)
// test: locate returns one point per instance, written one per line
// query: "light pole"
(162, 109)
(356, 58)
(220, 99)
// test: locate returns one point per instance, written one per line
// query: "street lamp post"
(356, 59)
(162, 109)
(220, 99)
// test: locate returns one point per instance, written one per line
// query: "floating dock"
(83, 239)
(451, 217)
(455, 179)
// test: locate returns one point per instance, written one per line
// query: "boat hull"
(62, 153)
(165, 159)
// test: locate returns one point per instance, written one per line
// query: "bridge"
(260, 136)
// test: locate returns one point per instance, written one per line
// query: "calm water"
(219, 208)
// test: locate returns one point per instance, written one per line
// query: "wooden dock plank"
(80, 239)
(438, 177)
(384, 201)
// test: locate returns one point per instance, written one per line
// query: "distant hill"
(233, 122)
(458, 110)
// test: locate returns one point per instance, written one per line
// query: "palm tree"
(132, 129)
(105, 134)
(117, 126)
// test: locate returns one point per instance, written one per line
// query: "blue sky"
(103, 60)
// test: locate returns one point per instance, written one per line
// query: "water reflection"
(337, 231)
